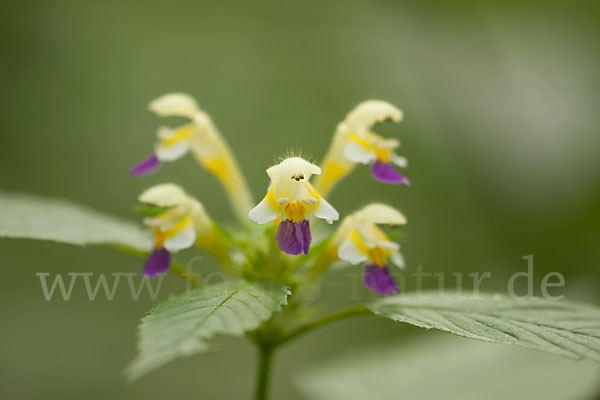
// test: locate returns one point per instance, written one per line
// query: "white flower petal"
(370, 112)
(379, 213)
(293, 166)
(387, 245)
(174, 105)
(388, 144)
(358, 154)
(164, 132)
(349, 252)
(397, 259)
(400, 161)
(202, 222)
(164, 195)
(182, 240)
(326, 211)
(263, 213)
(173, 151)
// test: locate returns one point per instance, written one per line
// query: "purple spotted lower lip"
(385, 172)
(378, 280)
(145, 167)
(294, 237)
(158, 263)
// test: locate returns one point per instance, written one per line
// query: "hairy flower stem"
(264, 372)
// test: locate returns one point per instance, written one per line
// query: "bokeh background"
(501, 129)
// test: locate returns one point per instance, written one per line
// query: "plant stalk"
(350, 312)
(265, 359)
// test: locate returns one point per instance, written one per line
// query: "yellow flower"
(359, 239)
(201, 137)
(183, 222)
(292, 199)
(354, 142)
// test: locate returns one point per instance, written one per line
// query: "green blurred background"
(501, 129)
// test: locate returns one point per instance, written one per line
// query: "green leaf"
(182, 325)
(557, 327)
(449, 368)
(28, 217)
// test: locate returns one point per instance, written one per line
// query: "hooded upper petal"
(293, 167)
(164, 195)
(370, 112)
(180, 205)
(174, 105)
(379, 213)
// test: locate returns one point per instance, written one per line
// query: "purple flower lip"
(385, 172)
(158, 263)
(145, 167)
(294, 237)
(378, 280)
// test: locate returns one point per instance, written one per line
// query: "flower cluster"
(178, 221)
